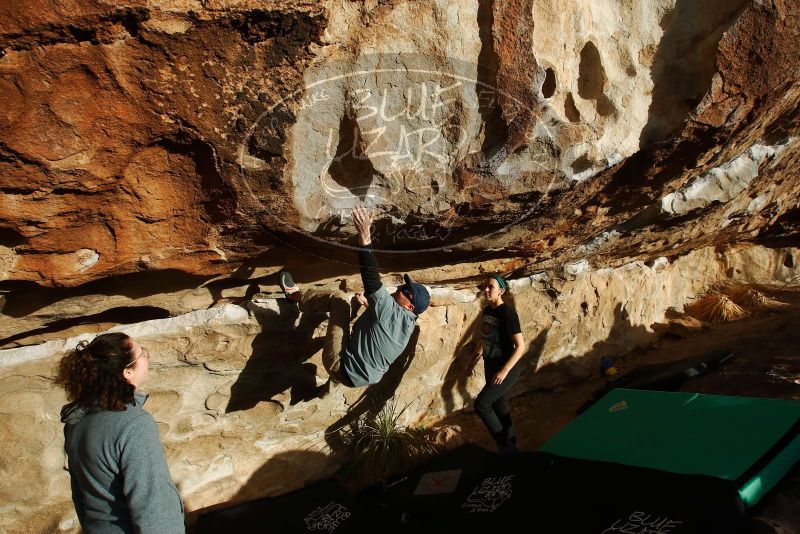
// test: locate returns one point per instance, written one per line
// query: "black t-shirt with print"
(498, 329)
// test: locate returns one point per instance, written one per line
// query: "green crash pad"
(751, 442)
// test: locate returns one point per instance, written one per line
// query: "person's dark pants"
(492, 404)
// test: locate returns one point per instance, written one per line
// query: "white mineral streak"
(720, 184)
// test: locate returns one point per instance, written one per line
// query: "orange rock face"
(127, 138)
(116, 148)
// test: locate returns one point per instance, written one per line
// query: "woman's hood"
(73, 412)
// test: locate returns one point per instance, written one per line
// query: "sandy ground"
(766, 363)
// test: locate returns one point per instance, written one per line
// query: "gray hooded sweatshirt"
(120, 481)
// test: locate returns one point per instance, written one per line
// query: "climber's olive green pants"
(335, 304)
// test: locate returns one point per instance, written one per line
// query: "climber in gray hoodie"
(118, 472)
(361, 357)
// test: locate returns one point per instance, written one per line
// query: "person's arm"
(366, 260)
(369, 271)
(153, 501)
(77, 499)
(519, 350)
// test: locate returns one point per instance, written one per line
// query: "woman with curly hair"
(501, 345)
(119, 476)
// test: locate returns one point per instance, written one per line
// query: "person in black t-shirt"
(501, 345)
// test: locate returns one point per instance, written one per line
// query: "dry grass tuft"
(750, 298)
(792, 282)
(715, 307)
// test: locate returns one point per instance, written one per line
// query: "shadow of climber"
(278, 359)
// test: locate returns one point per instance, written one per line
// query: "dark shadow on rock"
(277, 360)
(238, 278)
(26, 298)
(300, 257)
(533, 352)
(374, 397)
(624, 339)
(118, 315)
(495, 128)
(681, 76)
(642, 178)
(457, 376)
(351, 167)
(684, 61)
(283, 473)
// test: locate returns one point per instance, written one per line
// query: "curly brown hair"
(92, 373)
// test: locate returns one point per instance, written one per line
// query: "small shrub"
(381, 447)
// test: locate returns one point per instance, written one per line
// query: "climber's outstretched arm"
(366, 260)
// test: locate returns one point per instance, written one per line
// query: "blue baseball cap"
(421, 297)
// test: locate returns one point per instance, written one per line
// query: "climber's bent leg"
(335, 304)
